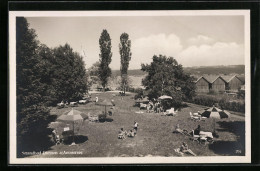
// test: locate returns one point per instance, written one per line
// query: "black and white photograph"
(107, 87)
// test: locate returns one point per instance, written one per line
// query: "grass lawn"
(154, 136)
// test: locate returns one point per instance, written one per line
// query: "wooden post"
(73, 133)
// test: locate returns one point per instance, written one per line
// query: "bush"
(205, 100)
(224, 103)
(102, 117)
(139, 93)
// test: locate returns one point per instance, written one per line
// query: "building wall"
(218, 85)
(202, 86)
(234, 84)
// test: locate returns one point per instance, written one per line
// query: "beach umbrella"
(215, 113)
(72, 117)
(105, 103)
(164, 97)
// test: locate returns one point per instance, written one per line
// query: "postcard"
(129, 87)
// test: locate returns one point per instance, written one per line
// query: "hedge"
(223, 103)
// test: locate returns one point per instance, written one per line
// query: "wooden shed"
(216, 83)
(233, 83)
(219, 84)
(202, 85)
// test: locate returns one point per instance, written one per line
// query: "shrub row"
(223, 103)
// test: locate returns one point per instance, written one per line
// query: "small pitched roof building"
(234, 83)
(210, 82)
(202, 85)
(219, 83)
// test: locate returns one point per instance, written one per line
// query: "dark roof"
(201, 78)
(241, 77)
(225, 78)
(211, 78)
(228, 78)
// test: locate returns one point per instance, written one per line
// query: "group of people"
(131, 133)
(184, 147)
(155, 106)
(196, 132)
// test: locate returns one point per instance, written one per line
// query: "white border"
(125, 160)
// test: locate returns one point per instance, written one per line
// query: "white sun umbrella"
(105, 103)
(72, 116)
(164, 97)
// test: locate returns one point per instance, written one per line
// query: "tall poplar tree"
(125, 53)
(105, 56)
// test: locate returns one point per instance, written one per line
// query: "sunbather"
(121, 134)
(57, 140)
(179, 130)
(131, 133)
(185, 149)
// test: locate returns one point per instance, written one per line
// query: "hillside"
(135, 72)
(216, 70)
(211, 70)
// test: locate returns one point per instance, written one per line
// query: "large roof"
(210, 78)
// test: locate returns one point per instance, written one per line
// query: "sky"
(191, 40)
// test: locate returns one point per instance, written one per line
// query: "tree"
(93, 73)
(166, 77)
(105, 58)
(125, 53)
(47, 73)
(93, 70)
(32, 115)
(69, 74)
(127, 83)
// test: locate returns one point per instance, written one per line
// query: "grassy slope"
(154, 136)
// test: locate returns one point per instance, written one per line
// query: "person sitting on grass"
(197, 130)
(185, 149)
(57, 140)
(131, 133)
(121, 134)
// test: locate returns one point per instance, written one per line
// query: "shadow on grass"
(230, 147)
(233, 148)
(27, 145)
(106, 120)
(78, 139)
(34, 144)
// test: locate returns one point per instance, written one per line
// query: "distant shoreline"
(216, 70)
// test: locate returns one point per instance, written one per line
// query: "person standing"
(135, 126)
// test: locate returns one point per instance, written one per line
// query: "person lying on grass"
(184, 149)
(179, 130)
